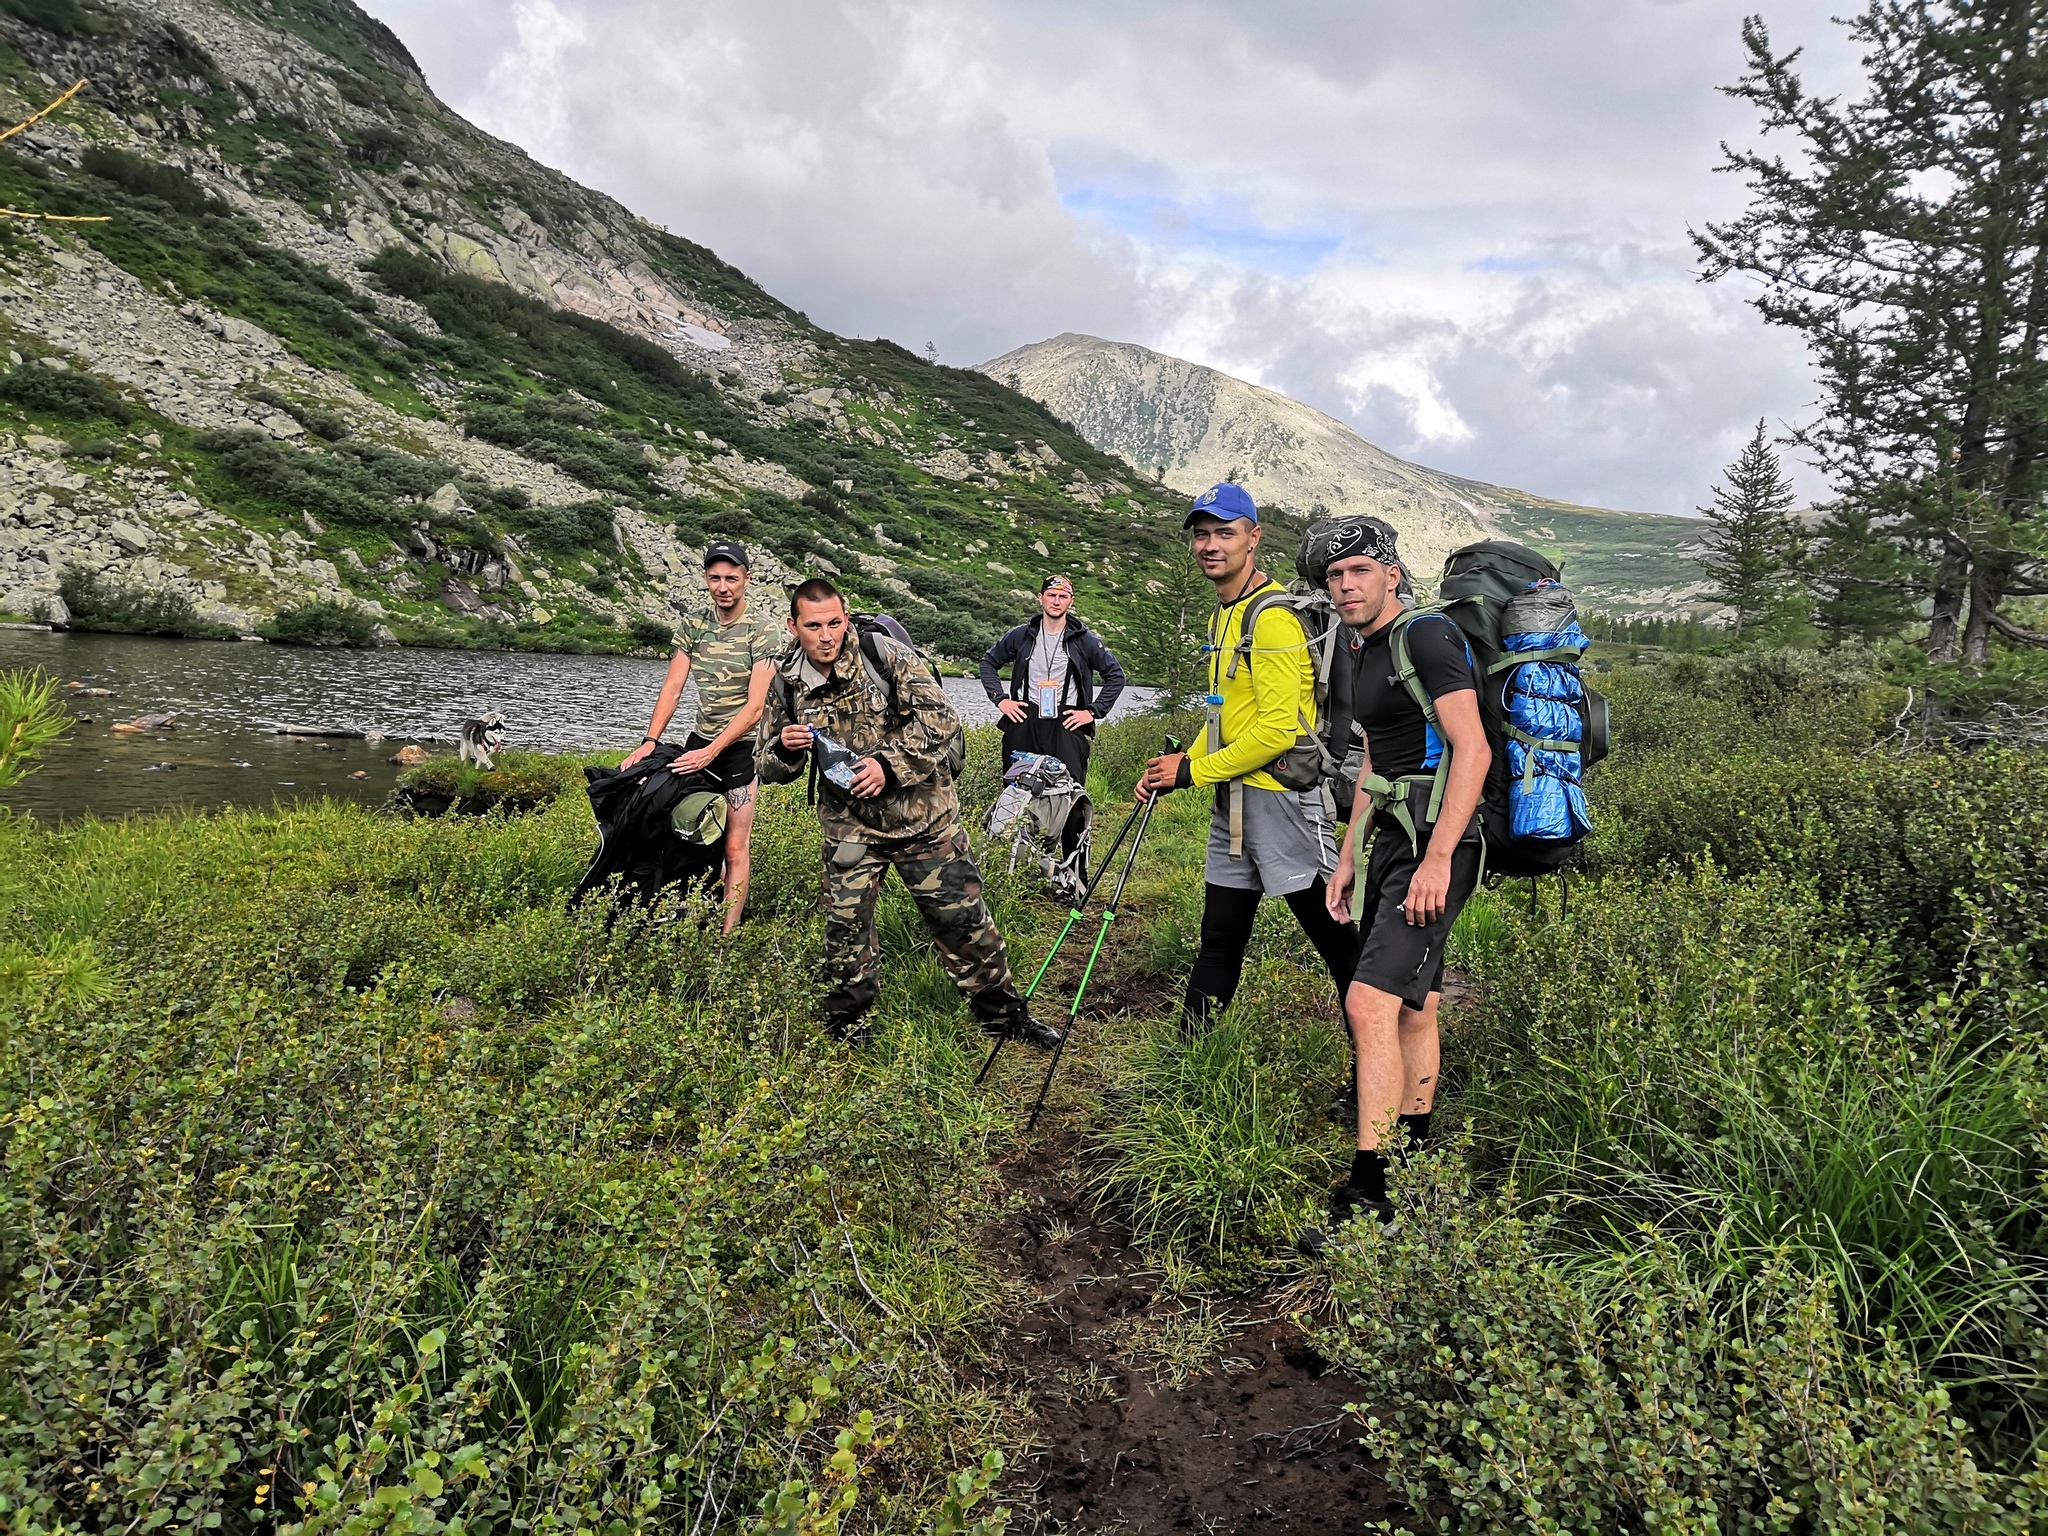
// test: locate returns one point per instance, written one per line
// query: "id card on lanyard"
(1048, 699)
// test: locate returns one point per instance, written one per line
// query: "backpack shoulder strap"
(881, 682)
(1273, 596)
(1404, 661)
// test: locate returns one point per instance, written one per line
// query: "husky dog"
(483, 740)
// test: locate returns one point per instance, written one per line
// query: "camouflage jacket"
(853, 709)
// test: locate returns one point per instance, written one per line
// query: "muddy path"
(1154, 1412)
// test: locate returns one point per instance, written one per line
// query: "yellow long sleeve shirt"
(1265, 704)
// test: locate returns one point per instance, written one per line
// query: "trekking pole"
(1073, 917)
(1102, 933)
(1074, 914)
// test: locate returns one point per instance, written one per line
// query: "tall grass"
(1206, 1151)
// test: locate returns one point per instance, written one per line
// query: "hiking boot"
(1346, 1204)
(1008, 1017)
(850, 1029)
(1026, 1030)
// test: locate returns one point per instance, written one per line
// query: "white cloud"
(531, 84)
(1459, 226)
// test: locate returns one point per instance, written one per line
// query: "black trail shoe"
(1026, 1030)
(1346, 1204)
(1344, 1106)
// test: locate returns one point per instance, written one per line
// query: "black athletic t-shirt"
(1395, 731)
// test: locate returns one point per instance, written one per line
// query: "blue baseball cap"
(1224, 501)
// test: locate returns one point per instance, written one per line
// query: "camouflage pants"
(944, 881)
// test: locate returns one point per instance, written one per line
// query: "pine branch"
(2013, 632)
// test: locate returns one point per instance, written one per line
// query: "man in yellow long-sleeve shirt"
(1264, 839)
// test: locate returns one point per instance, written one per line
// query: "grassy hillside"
(929, 490)
(1621, 563)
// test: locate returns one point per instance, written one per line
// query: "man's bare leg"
(1421, 1056)
(1375, 1018)
(740, 805)
(1398, 1054)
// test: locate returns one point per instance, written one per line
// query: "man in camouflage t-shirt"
(733, 658)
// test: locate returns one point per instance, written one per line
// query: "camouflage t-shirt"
(722, 656)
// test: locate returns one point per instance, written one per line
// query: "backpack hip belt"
(1398, 797)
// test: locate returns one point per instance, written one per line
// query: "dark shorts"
(733, 768)
(1395, 955)
(1049, 738)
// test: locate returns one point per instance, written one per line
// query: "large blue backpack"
(1546, 727)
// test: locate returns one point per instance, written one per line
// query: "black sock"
(1369, 1174)
(1417, 1127)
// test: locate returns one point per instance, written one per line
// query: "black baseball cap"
(730, 552)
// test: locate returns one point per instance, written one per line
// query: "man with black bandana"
(1420, 872)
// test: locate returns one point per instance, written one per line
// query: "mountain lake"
(250, 717)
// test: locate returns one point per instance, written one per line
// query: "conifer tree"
(1749, 541)
(1906, 239)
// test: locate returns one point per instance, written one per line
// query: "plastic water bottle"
(837, 763)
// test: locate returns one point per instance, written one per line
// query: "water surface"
(232, 698)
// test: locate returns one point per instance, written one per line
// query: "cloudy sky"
(1457, 225)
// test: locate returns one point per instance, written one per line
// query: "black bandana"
(1357, 536)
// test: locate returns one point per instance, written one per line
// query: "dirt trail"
(1260, 1443)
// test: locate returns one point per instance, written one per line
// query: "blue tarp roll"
(1545, 699)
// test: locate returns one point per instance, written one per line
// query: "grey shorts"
(1289, 841)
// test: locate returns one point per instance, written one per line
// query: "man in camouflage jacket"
(900, 809)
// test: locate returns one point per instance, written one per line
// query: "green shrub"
(1936, 853)
(580, 525)
(1704, 1058)
(382, 1187)
(71, 395)
(147, 178)
(354, 484)
(100, 603)
(652, 633)
(521, 782)
(1517, 1391)
(323, 624)
(74, 18)
(952, 634)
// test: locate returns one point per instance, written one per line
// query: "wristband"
(650, 741)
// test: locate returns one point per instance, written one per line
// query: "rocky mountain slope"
(1190, 426)
(337, 358)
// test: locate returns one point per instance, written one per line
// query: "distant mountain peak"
(1189, 426)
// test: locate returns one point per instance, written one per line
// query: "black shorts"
(1395, 955)
(733, 768)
